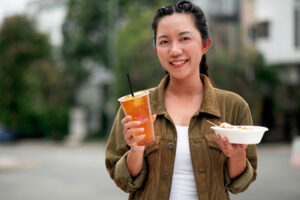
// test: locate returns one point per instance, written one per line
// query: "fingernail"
(142, 136)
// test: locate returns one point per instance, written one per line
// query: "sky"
(11, 7)
(48, 22)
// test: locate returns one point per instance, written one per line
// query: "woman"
(187, 160)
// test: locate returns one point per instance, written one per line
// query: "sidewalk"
(48, 171)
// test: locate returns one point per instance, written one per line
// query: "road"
(49, 171)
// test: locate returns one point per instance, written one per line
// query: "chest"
(181, 110)
(161, 159)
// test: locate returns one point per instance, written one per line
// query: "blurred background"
(63, 65)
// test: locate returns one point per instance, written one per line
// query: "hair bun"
(161, 11)
(185, 5)
(167, 10)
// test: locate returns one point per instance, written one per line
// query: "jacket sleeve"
(115, 159)
(242, 182)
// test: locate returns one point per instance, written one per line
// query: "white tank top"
(183, 182)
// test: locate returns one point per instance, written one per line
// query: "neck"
(186, 87)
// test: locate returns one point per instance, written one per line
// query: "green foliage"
(136, 50)
(136, 55)
(247, 74)
(85, 35)
(32, 102)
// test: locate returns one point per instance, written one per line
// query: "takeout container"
(235, 135)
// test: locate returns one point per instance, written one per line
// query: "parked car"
(7, 135)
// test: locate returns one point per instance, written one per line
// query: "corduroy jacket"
(209, 163)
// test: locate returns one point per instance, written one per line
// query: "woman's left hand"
(230, 150)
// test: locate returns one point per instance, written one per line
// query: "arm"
(241, 182)
(116, 154)
(236, 154)
(134, 161)
(135, 156)
(237, 164)
(241, 164)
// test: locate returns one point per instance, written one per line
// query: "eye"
(162, 42)
(185, 38)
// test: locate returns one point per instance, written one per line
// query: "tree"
(84, 33)
(91, 30)
(135, 47)
(27, 103)
(100, 32)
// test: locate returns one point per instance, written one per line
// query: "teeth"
(178, 63)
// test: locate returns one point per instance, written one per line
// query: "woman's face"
(179, 45)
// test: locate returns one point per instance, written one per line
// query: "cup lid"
(136, 96)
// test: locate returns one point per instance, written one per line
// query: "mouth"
(178, 63)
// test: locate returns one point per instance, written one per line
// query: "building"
(49, 16)
(273, 28)
(275, 31)
(277, 26)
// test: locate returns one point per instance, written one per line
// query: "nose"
(175, 50)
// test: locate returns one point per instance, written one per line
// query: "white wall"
(279, 46)
(49, 16)
(50, 21)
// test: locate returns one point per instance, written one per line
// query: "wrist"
(240, 156)
(137, 149)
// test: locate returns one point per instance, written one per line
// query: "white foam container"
(251, 135)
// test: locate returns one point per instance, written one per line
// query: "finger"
(139, 138)
(227, 146)
(126, 119)
(153, 118)
(132, 141)
(225, 139)
(130, 125)
(129, 134)
(218, 140)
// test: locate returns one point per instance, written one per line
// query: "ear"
(155, 50)
(206, 45)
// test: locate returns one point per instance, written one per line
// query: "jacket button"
(170, 145)
(165, 175)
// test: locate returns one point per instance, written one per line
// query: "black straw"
(131, 90)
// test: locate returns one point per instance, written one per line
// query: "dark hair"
(200, 22)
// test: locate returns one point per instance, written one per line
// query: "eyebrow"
(179, 34)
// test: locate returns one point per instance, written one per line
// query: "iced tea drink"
(139, 109)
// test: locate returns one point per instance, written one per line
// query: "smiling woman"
(179, 44)
(185, 161)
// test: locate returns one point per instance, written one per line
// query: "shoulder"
(151, 89)
(233, 107)
(152, 92)
(229, 97)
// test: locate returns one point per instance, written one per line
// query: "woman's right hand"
(130, 128)
(134, 159)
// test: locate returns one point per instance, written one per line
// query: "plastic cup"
(139, 109)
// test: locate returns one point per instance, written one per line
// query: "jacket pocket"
(151, 156)
(215, 152)
(217, 159)
(150, 148)
(211, 142)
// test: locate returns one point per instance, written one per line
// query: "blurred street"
(43, 170)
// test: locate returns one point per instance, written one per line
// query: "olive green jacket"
(209, 163)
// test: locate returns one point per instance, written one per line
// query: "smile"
(178, 63)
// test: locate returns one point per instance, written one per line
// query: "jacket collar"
(209, 102)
